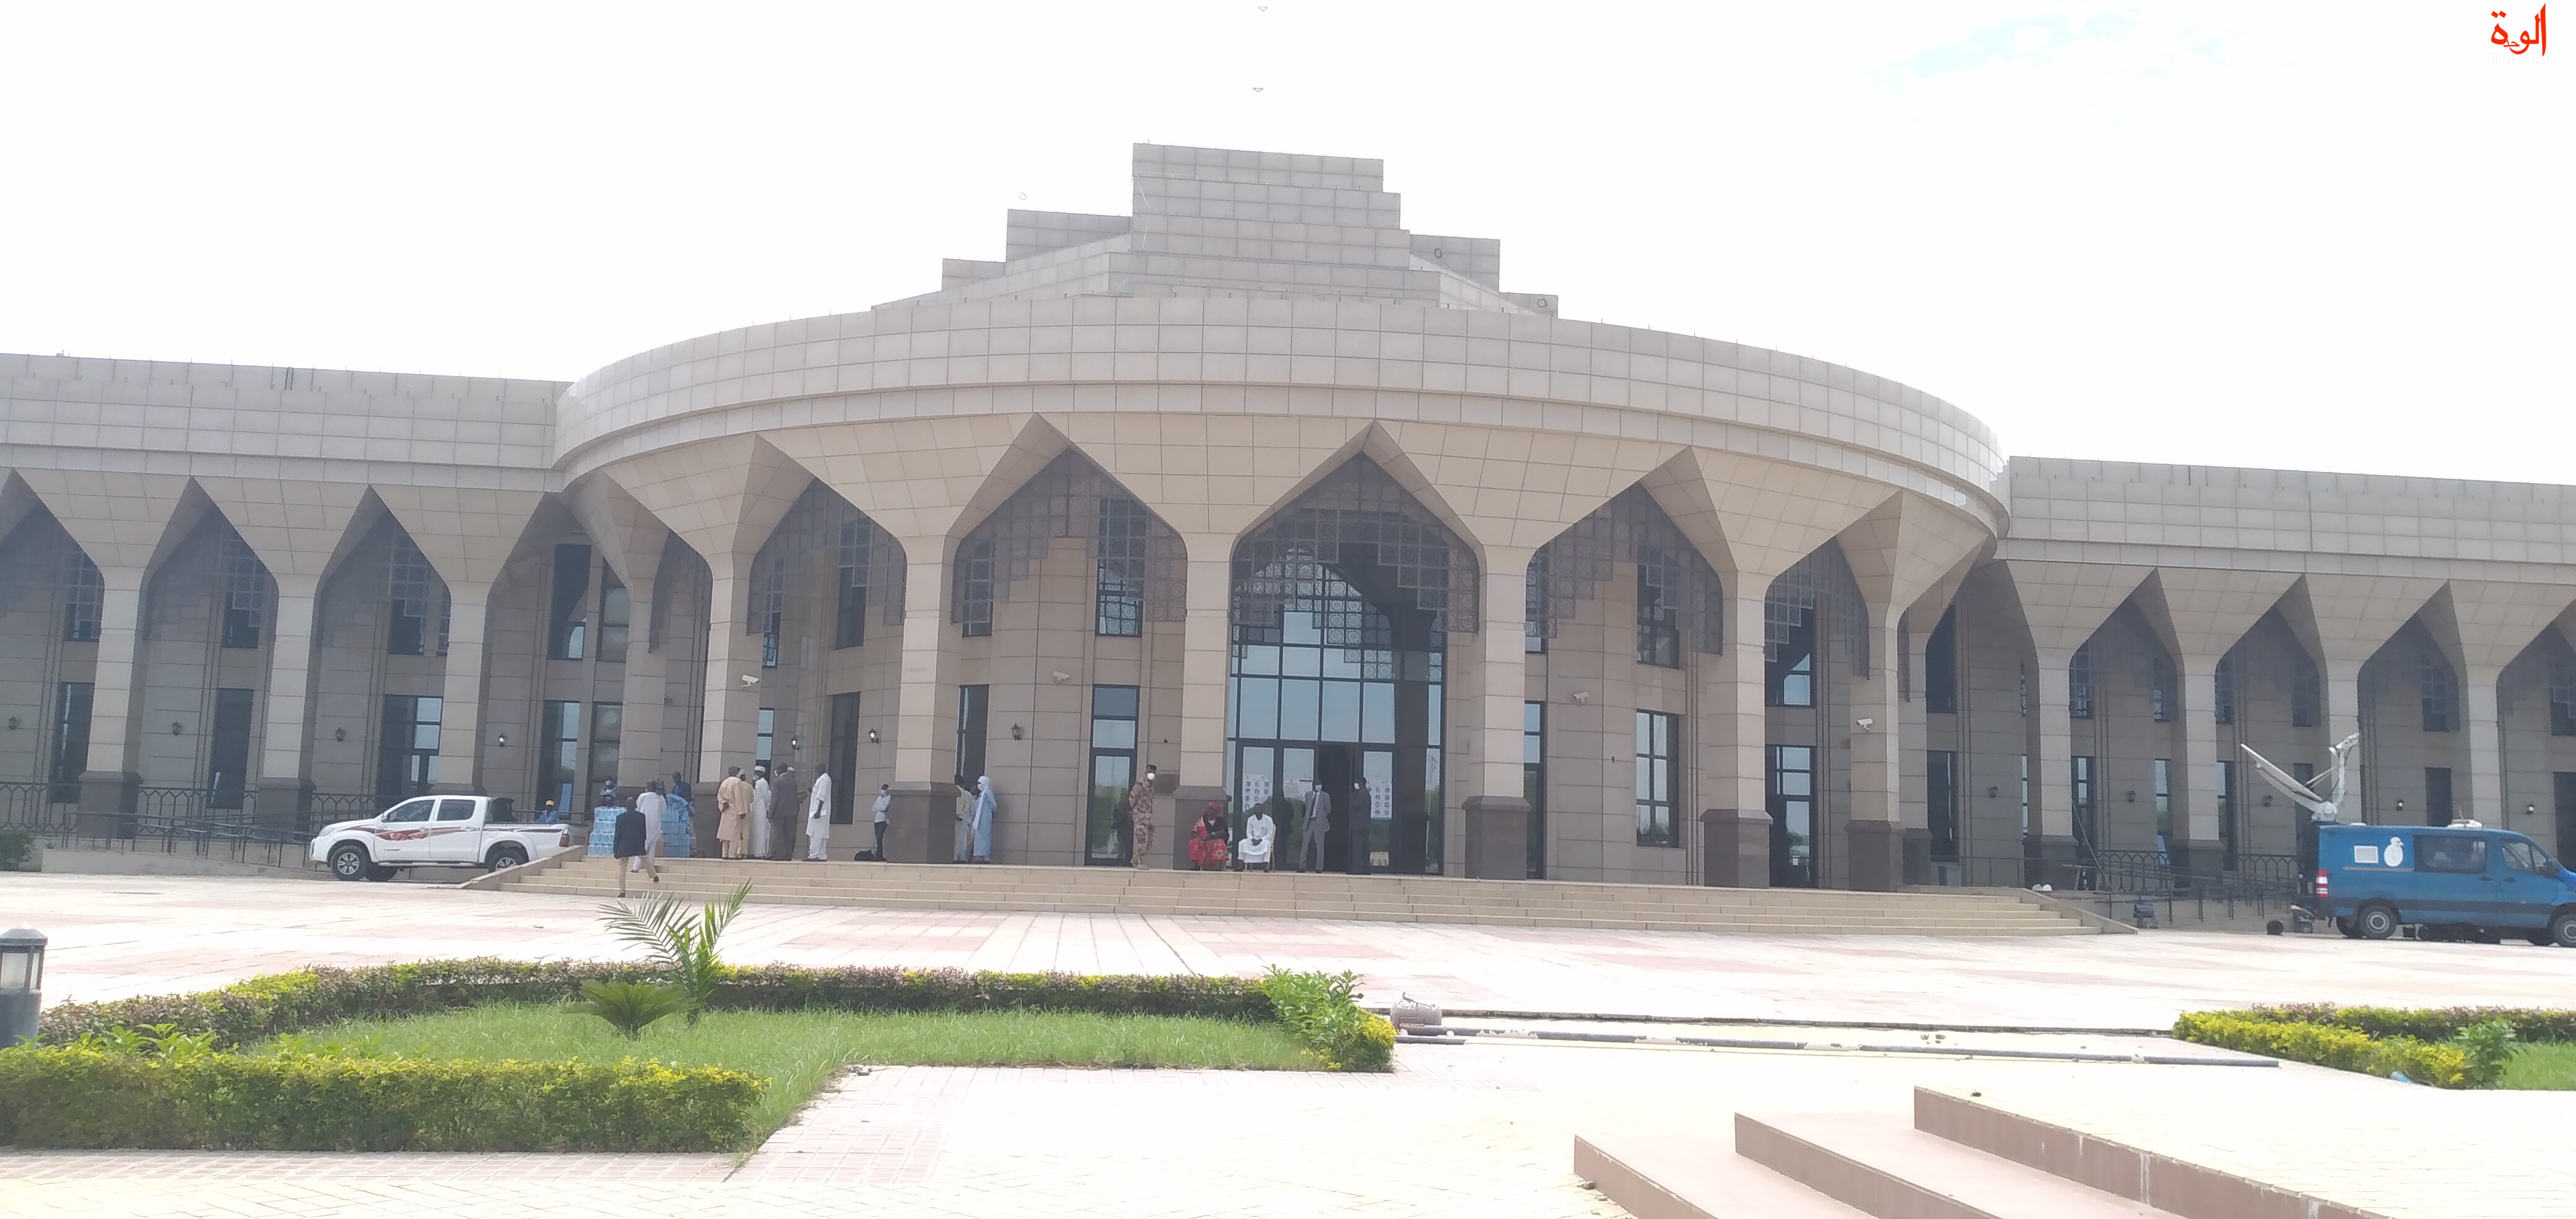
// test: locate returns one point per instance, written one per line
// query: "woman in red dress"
(1207, 839)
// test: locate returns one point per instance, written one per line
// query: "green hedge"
(2327, 1045)
(256, 1009)
(75, 1096)
(2426, 1023)
(1320, 1010)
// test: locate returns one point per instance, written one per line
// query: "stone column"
(921, 821)
(2052, 777)
(108, 782)
(1876, 829)
(2196, 812)
(2482, 714)
(731, 725)
(1498, 815)
(646, 684)
(284, 787)
(1206, 649)
(1735, 735)
(2342, 713)
(460, 708)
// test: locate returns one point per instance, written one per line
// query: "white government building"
(1258, 488)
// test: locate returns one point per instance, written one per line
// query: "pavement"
(1483, 1129)
(125, 935)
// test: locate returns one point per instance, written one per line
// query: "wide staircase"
(1954, 1157)
(1403, 899)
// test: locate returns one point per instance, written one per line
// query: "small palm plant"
(629, 1006)
(681, 941)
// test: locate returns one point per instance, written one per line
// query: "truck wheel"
(380, 872)
(2349, 931)
(348, 862)
(507, 855)
(2562, 928)
(2376, 921)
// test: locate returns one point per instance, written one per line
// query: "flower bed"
(2455, 1047)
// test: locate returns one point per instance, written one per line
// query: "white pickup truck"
(436, 832)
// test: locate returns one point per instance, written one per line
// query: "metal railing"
(34, 806)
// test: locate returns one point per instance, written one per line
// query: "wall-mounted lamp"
(1992, 792)
(872, 736)
(339, 734)
(174, 727)
(1015, 732)
(2401, 806)
(13, 723)
(2133, 797)
(502, 741)
(793, 746)
(2531, 810)
(2267, 799)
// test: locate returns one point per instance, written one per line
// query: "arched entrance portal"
(1341, 611)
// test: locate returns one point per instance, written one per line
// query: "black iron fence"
(35, 807)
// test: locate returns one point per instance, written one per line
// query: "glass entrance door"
(1325, 700)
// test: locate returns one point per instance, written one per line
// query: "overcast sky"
(2324, 237)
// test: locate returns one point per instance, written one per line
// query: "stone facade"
(1257, 488)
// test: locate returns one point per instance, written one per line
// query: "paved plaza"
(1483, 1130)
(127, 935)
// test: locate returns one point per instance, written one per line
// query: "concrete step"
(2194, 1191)
(1677, 1177)
(1879, 1164)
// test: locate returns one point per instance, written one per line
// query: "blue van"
(2483, 882)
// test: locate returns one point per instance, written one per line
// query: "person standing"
(785, 809)
(980, 820)
(1140, 817)
(630, 841)
(1319, 822)
(877, 815)
(733, 813)
(760, 795)
(649, 806)
(818, 817)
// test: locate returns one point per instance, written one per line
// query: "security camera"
(1864, 721)
(748, 681)
(1061, 676)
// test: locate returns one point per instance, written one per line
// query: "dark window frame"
(1658, 773)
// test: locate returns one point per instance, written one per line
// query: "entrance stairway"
(1958, 1158)
(1401, 899)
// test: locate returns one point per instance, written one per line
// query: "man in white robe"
(818, 817)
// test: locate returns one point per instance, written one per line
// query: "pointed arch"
(1139, 558)
(1356, 505)
(1631, 528)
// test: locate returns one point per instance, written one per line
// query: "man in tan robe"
(733, 814)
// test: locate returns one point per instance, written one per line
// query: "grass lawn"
(2542, 1066)
(798, 1051)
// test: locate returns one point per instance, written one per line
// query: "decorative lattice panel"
(1070, 498)
(1286, 561)
(822, 525)
(245, 579)
(1821, 580)
(1631, 528)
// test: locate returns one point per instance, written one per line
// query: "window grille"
(409, 585)
(2222, 703)
(2160, 685)
(84, 594)
(245, 591)
(2562, 703)
(820, 523)
(2433, 677)
(2304, 693)
(1631, 528)
(1129, 547)
(1820, 578)
(1356, 506)
(2079, 684)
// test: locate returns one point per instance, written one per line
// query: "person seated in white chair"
(1258, 834)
